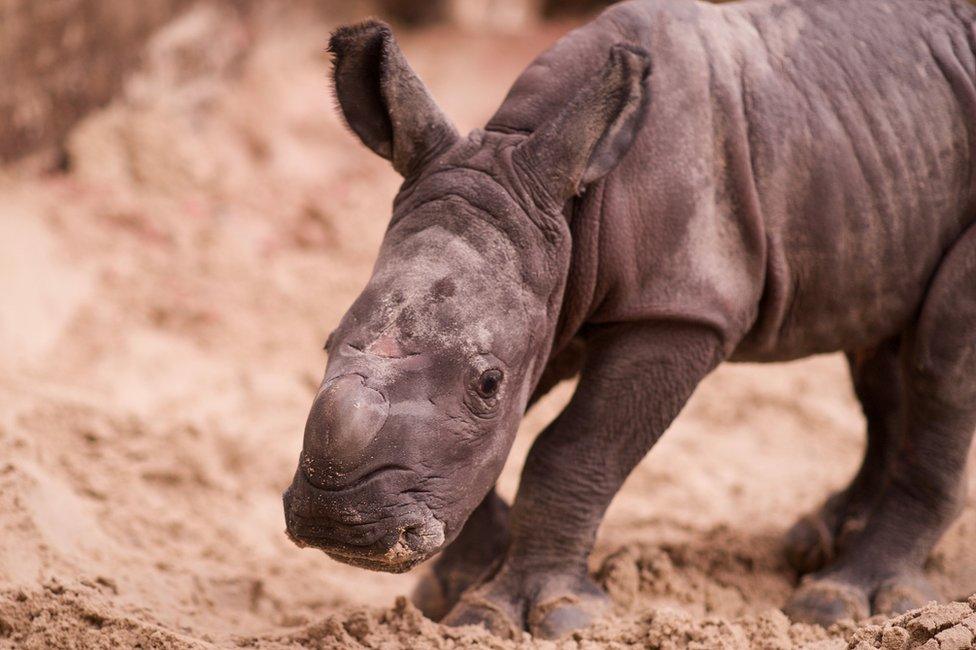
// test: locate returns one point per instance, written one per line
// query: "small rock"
(931, 622)
(861, 645)
(869, 634)
(955, 638)
(970, 622)
(894, 638)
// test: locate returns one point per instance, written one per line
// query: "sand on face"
(162, 310)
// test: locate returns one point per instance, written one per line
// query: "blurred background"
(62, 58)
(183, 220)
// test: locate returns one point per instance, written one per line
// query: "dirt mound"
(165, 302)
(937, 627)
(46, 49)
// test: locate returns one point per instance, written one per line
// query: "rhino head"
(431, 369)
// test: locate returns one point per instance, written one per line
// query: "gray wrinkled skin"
(673, 185)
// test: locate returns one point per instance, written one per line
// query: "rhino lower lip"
(414, 543)
(310, 531)
(400, 557)
(379, 564)
(332, 546)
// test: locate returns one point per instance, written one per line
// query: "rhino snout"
(381, 536)
(346, 417)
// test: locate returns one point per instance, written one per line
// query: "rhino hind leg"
(819, 537)
(477, 549)
(880, 569)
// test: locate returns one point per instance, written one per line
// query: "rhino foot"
(817, 538)
(549, 605)
(440, 587)
(474, 555)
(824, 600)
(902, 594)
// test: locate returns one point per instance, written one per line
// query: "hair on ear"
(362, 43)
(381, 98)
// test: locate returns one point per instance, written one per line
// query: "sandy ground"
(162, 312)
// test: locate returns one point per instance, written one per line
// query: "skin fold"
(673, 185)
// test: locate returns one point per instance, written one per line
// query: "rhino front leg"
(483, 540)
(635, 380)
(477, 549)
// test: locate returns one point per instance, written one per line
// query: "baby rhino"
(671, 186)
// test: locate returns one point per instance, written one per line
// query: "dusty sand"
(163, 310)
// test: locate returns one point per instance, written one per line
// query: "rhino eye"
(489, 382)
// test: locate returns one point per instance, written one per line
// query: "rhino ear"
(382, 99)
(590, 136)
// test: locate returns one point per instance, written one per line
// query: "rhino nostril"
(424, 537)
(345, 417)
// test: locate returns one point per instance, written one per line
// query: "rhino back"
(803, 168)
(862, 126)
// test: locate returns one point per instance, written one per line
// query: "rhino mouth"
(413, 544)
(394, 543)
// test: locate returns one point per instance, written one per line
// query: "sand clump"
(950, 626)
(165, 304)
